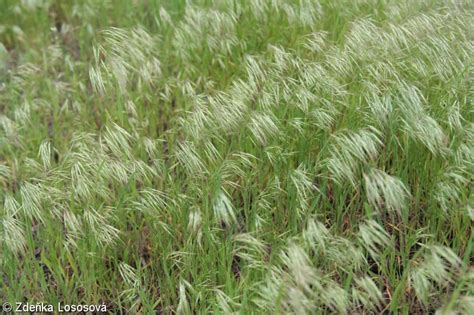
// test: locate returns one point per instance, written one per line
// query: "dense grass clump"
(264, 157)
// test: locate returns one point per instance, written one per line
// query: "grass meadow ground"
(251, 157)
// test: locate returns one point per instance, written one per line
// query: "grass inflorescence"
(226, 156)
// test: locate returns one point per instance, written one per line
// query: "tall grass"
(228, 156)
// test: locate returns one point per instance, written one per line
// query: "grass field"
(251, 157)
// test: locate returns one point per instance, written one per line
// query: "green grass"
(237, 156)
